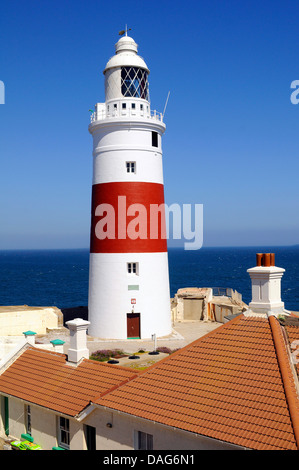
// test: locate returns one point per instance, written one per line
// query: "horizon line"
(170, 247)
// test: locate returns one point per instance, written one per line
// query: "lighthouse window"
(131, 167)
(133, 105)
(132, 268)
(155, 139)
(134, 82)
(124, 105)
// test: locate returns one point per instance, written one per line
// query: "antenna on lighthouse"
(166, 103)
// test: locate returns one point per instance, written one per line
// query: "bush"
(164, 349)
(103, 355)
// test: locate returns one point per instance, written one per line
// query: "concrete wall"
(191, 304)
(193, 309)
(15, 320)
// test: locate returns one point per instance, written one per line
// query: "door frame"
(131, 315)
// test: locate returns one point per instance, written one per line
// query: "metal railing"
(222, 291)
(99, 115)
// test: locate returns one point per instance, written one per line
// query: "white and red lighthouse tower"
(128, 282)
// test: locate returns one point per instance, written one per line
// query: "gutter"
(286, 373)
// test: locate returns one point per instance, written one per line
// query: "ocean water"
(60, 277)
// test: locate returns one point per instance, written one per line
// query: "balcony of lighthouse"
(135, 109)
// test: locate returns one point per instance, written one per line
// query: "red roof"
(226, 385)
(46, 379)
(236, 384)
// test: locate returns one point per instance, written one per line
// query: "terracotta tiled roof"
(226, 385)
(46, 379)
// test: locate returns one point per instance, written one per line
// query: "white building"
(129, 282)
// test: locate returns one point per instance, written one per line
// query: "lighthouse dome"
(126, 43)
(126, 55)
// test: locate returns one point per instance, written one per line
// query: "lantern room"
(126, 75)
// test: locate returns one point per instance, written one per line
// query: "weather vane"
(124, 31)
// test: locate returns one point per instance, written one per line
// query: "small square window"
(131, 167)
(133, 105)
(115, 106)
(141, 107)
(124, 105)
(133, 268)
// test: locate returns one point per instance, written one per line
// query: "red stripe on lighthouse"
(128, 217)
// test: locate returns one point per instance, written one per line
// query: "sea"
(60, 277)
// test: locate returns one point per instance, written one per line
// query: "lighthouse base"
(129, 295)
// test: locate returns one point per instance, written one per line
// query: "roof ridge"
(286, 374)
(94, 400)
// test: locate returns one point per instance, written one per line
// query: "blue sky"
(231, 142)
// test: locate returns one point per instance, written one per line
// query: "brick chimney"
(266, 285)
(78, 340)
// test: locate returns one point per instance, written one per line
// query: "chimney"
(78, 346)
(30, 336)
(266, 285)
(57, 345)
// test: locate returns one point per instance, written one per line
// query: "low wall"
(15, 320)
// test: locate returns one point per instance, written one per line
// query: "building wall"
(120, 436)
(44, 424)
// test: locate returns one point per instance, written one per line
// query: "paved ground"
(182, 334)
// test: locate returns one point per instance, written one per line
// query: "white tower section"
(129, 282)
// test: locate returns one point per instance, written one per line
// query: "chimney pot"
(259, 258)
(266, 259)
(272, 259)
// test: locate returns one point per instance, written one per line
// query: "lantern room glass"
(134, 82)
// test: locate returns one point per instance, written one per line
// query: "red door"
(133, 325)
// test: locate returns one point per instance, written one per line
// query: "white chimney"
(30, 336)
(78, 346)
(57, 345)
(266, 285)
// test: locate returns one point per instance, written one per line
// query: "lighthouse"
(129, 293)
